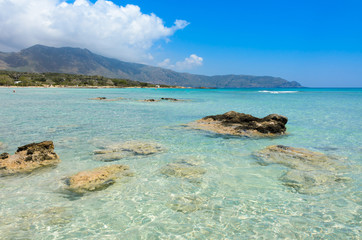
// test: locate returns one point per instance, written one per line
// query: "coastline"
(91, 87)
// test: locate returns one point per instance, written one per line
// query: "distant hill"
(26, 79)
(41, 59)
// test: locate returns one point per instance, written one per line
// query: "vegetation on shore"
(26, 79)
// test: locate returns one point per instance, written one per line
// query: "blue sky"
(317, 43)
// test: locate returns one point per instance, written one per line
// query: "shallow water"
(234, 198)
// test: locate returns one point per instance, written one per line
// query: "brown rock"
(150, 100)
(170, 99)
(96, 179)
(104, 99)
(241, 124)
(28, 158)
(98, 98)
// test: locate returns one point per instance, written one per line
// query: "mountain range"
(41, 59)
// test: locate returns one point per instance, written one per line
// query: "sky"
(316, 43)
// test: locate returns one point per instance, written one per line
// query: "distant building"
(16, 82)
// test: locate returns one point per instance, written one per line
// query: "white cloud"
(187, 64)
(103, 27)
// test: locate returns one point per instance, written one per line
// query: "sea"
(235, 197)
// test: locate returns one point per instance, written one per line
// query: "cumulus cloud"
(187, 64)
(123, 32)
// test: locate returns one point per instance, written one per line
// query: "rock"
(310, 172)
(98, 98)
(28, 158)
(162, 99)
(126, 149)
(150, 100)
(311, 182)
(296, 158)
(96, 179)
(170, 99)
(183, 169)
(111, 156)
(103, 151)
(53, 216)
(141, 148)
(4, 155)
(187, 204)
(104, 99)
(241, 124)
(2, 145)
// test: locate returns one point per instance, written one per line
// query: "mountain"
(40, 58)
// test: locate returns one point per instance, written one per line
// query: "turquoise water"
(236, 198)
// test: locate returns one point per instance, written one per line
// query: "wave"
(277, 92)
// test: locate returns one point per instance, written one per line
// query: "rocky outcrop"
(162, 99)
(240, 124)
(150, 100)
(28, 158)
(104, 99)
(127, 149)
(98, 98)
(171, 99)
(309, 172)
(96, 179)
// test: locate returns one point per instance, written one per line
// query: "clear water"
(235, 199)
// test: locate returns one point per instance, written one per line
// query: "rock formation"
(126, 149)
(162, 99)
(28, 158)
(309, 172)
(104, 99)
(96, 179)
(183, 169)
(171, 99)
(188, 203)
(241, 124)
(150, 100)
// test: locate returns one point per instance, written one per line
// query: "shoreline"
(92, 87)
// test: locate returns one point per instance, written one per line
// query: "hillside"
(41, 59)
(26, 79)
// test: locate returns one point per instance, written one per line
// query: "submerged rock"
(126, 149)
(53, 216)
(311, 182)
(141, 148)
(28, 158)
(183, 169)
(241, 124)
(2, 145)
(296, 158)
(187, 204)
(96, 179)
(310, 172)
